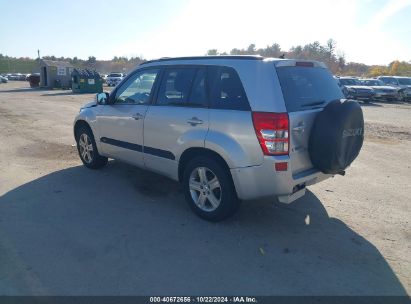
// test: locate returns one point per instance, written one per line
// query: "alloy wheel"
(205, 189)
(86, 148)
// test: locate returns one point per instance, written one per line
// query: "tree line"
(327, 53)
(29, 65)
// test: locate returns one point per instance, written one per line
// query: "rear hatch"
(307, 88)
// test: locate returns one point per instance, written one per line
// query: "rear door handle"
(194, 121)
(138, 116)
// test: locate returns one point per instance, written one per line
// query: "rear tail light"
(272, 130)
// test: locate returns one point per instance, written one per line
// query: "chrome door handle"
(137, 116)
(299, 129)
(194, 121)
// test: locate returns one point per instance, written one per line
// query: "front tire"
(209, 189)
(87, 149)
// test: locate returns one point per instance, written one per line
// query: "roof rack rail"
(241, 57)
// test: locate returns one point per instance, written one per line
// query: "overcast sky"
(368, 31)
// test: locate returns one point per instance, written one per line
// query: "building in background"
(55, 74)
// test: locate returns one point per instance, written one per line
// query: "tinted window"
(114, 75)
(137, 89)
(175, 86)
(373, 83)
(226, 90)
(349, 81)
(198, 95)
(404, 81)
(305, 87)
(389, 80)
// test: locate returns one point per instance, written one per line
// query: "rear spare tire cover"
(337, 136)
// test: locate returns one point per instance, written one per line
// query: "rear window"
(114, 75)
(305, 88)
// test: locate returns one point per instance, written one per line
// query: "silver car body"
(382, 91)
(395, 81)
(158, 136)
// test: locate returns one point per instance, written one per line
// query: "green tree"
(91, 60)
(212, 52)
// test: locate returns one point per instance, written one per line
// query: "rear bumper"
(264, 181)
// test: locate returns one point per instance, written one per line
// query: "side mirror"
(102, 98)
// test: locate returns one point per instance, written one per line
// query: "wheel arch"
(191, 153)
(81, 123)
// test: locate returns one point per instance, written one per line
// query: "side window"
(175, 86)
(198, 96)
(226, 89)
(137, 89)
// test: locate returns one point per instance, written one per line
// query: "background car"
(354, 89)
(3, 79)
(382, 91)
(114, 79)
(13, 76)
(403, 83)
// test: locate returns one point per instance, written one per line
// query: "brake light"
(304, 64)
(272, 130)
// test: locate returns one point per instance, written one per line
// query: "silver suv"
(229, 128)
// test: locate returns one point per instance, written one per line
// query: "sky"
(367, 31)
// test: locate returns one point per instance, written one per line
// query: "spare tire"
(336, 136)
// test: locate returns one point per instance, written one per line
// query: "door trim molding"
(139, 148)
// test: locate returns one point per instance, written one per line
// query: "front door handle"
(138, 116)
(194, 121)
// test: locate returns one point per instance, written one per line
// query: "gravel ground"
(66, 230)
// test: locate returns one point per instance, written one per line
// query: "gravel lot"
(66, 230)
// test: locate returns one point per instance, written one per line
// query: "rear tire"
(87, 149)
(209, 189)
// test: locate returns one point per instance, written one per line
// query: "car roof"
(220, 57)
(227, 60)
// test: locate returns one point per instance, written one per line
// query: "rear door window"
(175, 86)
(226, 89)
(198, 95)
(306, 88)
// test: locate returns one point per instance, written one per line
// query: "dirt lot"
(66, 230)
